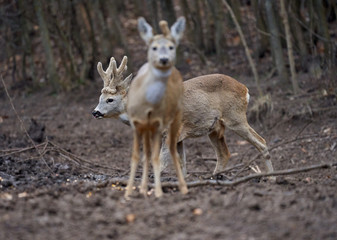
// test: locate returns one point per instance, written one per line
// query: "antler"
(113, 75)
(164, 28)
(118, 72)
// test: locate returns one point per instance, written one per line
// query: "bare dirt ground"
(71, 192)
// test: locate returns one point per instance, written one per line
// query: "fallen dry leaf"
(130, 218)
(22, 195)
(6, 196)
(197, 211)
(243, 142)
(89, 194)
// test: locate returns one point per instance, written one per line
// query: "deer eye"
(109, 100)
(154, 48)
(171, 47)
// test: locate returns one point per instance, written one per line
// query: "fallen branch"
(297, 138)
(249, 177)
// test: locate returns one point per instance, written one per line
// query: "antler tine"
(164, 28)
(106, 75)
(123, 67)
(118, 72)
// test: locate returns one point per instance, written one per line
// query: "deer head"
(162, 47)
(112, 102)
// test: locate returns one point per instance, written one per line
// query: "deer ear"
(145, 30)
(177, 29)
(125, 84)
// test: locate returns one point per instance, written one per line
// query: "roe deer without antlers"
(211, 104)
(155, 103)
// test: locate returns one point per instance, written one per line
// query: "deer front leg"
(146, 158)
(134, 163)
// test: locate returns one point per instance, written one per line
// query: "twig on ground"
(297, 138)
(83, 166)
(249, 177)
(79, 159)
(20, 150)
(22, 124)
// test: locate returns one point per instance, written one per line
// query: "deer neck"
(161, 74)
(123, 116)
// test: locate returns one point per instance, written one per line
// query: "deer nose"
(163, 61)
(97, 114)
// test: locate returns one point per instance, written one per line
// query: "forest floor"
(71, 193)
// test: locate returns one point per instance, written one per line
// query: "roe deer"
(112, 102)
(155, 103)
(211, 103)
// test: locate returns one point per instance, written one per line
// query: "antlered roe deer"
(113, 97)
(155, 103)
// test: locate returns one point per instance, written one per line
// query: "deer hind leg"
(182, 157)
(165, 156)
(172, 142)
(249, 134)
(134, 162)
(156, 140)
(146, 159)
(217, 138)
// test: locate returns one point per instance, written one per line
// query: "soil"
(60, 196)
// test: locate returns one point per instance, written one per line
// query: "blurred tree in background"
(58, 43)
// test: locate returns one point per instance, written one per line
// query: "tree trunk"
(263, 44)
(297, 31)
(187, 13)
(197, 20)
(154, 19)
(275, 42)
(243, 40)
(92, 65)
(52, 74)
(284, 16)
(220, 41)
(168, 13)
(323, 28)
(235, 5)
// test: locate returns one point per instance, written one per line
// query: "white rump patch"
(247, 97)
